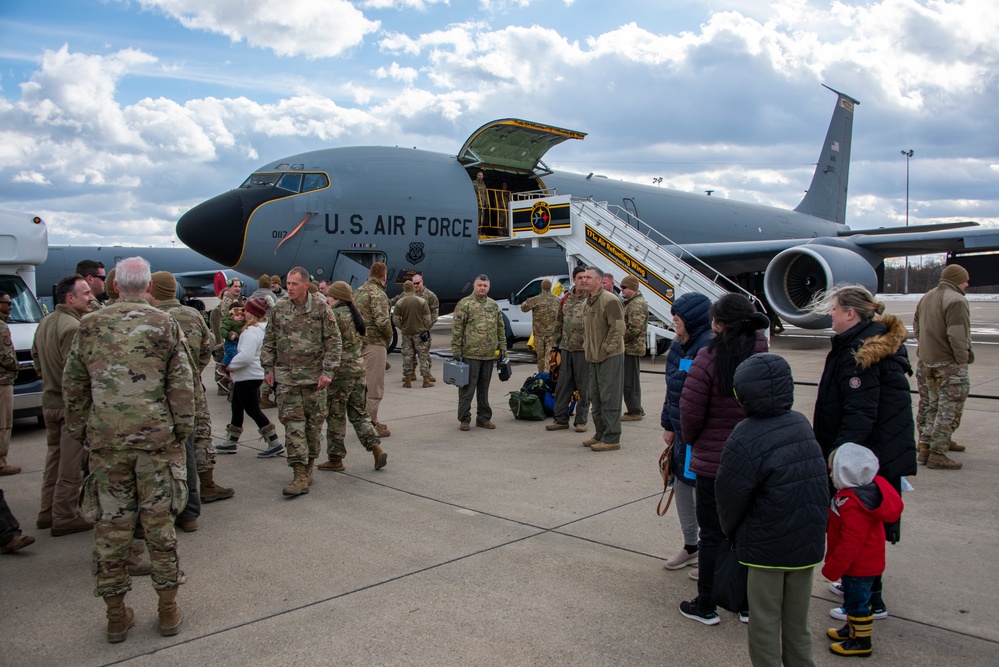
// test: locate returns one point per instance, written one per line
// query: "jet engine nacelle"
(796, 275)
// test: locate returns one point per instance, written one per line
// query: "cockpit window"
(291, 182)
(315, 182)
(297, 182)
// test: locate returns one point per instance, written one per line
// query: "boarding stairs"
(615, 241)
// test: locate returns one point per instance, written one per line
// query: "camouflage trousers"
(346, 401)
(543, 348)
(943, 389)
(124, 486)
(204, 446)
(302, 410)
(413, 350)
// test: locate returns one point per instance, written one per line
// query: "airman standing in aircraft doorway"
(482, 199)
(373, 305)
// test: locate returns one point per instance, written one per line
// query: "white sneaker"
(839, 613)
(681, 560)
(693, 574)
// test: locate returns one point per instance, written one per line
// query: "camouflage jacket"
(545, 316)
(569, 324)
(199, 338)
(53, 340)
(301, 342)
(351, 366)
(432, 302)
(636, 323)
(128, 382)
(373, 304)
(478, 330)
(8, 356)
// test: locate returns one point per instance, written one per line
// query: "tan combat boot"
(427, 382)
(411, 375)
(210, 491)
(938, 461)
(381, 458)
(136, 565)
(309, 467)
(382, 430)
(407, 383)
(300, 484)
(170, 616)
(922, 455)
(120, 618)
(335, 464)
(954, 447)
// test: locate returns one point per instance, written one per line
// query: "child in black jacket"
(772, 497)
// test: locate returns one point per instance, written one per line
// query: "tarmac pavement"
(515, 546)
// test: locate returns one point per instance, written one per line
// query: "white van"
(23, 246)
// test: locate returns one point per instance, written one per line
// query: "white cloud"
(289, 28)
(420, 5)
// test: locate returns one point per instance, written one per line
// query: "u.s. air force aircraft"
(336, 211)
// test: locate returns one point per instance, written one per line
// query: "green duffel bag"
(526, 406)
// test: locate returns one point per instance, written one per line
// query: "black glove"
(893, 532)
(424, 336)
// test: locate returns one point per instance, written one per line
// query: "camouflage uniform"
(347, 392)
(543, 322)
(128, 389)
(476, 335)
(200, 341)
(636, 324)
(301, 342)
(373, 304)
(8, 373)
(574, 371)
(417, 352)
(412, 316)
(942, 326)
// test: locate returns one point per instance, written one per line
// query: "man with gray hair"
(128, 390)
(603, 335)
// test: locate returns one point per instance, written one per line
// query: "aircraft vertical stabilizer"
(826, 196)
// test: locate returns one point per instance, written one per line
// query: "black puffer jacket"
(772, 488)
(692, 308)
(864, 396)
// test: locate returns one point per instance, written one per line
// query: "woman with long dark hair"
(708, 413)
(864, 397)
(247, 376)
(347, 392)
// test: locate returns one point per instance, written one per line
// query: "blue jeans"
(857, 595)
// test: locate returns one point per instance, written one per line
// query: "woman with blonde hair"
(864, 395)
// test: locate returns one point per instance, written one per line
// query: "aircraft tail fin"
(826, 196)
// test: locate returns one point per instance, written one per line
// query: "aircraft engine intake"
(795, 276)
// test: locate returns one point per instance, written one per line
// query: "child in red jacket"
(855, 540)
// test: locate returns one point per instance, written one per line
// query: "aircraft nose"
(215, 228)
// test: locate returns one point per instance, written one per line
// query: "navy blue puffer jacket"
(772, 490)
(693, 309)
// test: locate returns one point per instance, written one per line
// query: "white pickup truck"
(519, 321)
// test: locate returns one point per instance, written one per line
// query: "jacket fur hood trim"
(884, 345)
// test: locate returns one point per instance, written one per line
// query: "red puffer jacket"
(706, 416)
(855, 538)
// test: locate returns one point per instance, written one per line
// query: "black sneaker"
(692, 610)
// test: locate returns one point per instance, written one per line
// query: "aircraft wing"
(734, 258)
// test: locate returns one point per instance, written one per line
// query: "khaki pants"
(374, 374)
(63, 476)
(778, 617)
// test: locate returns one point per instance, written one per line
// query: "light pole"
(908, 154)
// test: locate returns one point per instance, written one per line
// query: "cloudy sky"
(116, 116)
